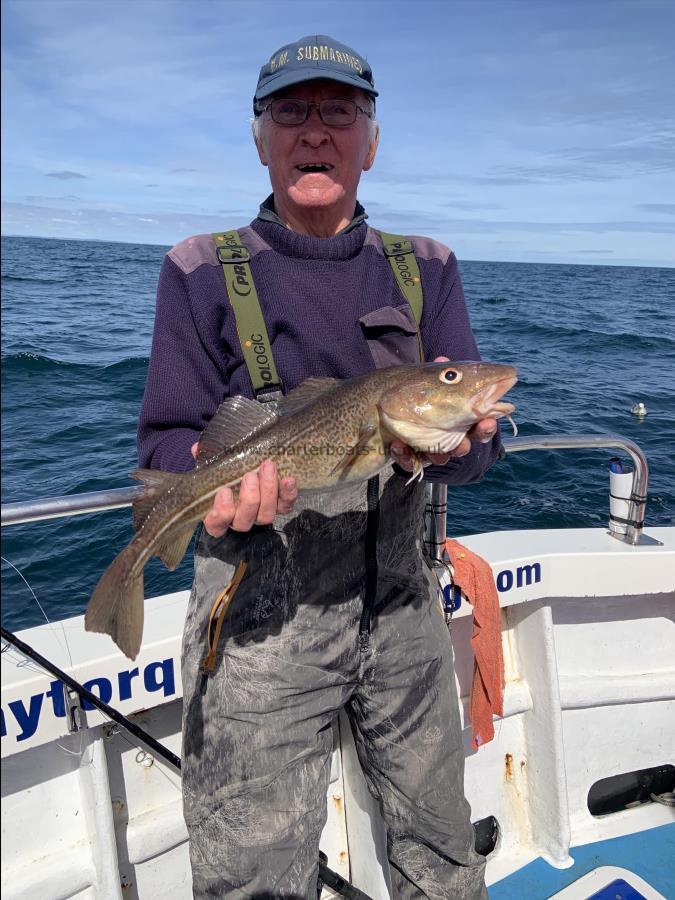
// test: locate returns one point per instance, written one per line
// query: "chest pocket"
(392, 335)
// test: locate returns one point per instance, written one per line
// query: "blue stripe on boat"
(650, 854)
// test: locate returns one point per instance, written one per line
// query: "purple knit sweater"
(331, 308)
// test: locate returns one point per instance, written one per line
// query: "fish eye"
(450, 376)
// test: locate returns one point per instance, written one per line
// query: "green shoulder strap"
(255, 342)
(401, 255)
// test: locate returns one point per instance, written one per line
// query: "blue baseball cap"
(314, 56)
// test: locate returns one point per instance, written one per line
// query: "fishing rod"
(83, 692)
(326, 876)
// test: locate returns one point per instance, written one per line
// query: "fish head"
(431, 407)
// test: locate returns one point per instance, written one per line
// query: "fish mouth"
(487, 403)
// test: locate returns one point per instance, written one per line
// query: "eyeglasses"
(334, 113)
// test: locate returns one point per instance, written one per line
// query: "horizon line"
(460, 260)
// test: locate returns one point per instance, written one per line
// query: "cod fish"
(326, 433)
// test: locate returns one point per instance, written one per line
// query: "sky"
(515, 130)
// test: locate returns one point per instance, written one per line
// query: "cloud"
(65, 175)
(648, 154)
(645, 156)
(524, 175)
(184, 170)
(666, 209)
(472, 239)
(107, 224)
(435, 221)
(40, 198)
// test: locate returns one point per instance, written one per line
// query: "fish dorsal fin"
(308, 390)
(235, 420)
(154, 483)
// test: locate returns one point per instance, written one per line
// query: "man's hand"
(483, 430)
(262, 494)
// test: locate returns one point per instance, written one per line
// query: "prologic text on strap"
(255, 342)
(401, 255)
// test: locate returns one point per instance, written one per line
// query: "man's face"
(347, 151)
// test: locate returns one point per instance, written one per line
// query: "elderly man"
(337, 609)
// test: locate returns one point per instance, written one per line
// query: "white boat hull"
(590, 693)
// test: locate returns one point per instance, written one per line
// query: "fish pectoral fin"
(451, 440)
(174, 546)
(235, 421)
(154, 483)
(366, 432)
(308, 390)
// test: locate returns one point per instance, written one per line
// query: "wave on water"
(494, 301)
(28, 361)
(620, 339)
(6, 279)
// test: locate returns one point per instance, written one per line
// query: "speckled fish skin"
(342, 436)
(396, 402)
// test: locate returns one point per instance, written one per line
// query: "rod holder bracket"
(75, 715)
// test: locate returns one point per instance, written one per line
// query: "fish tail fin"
(116, 606)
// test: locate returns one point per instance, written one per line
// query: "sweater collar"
(268, 212)
(344, 244)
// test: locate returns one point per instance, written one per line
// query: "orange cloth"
(473, 575)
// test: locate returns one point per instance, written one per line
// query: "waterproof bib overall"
(337, 610)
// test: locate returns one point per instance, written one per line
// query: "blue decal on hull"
(157, 676)
(523, 576)
(452, 598)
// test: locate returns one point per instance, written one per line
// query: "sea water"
(589, 342)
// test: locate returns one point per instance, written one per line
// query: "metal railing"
(69, 505)
(435, 517)
(436, 509)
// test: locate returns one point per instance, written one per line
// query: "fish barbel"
(325, 434)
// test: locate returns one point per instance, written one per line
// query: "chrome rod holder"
(638, 499)
(436, 522)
